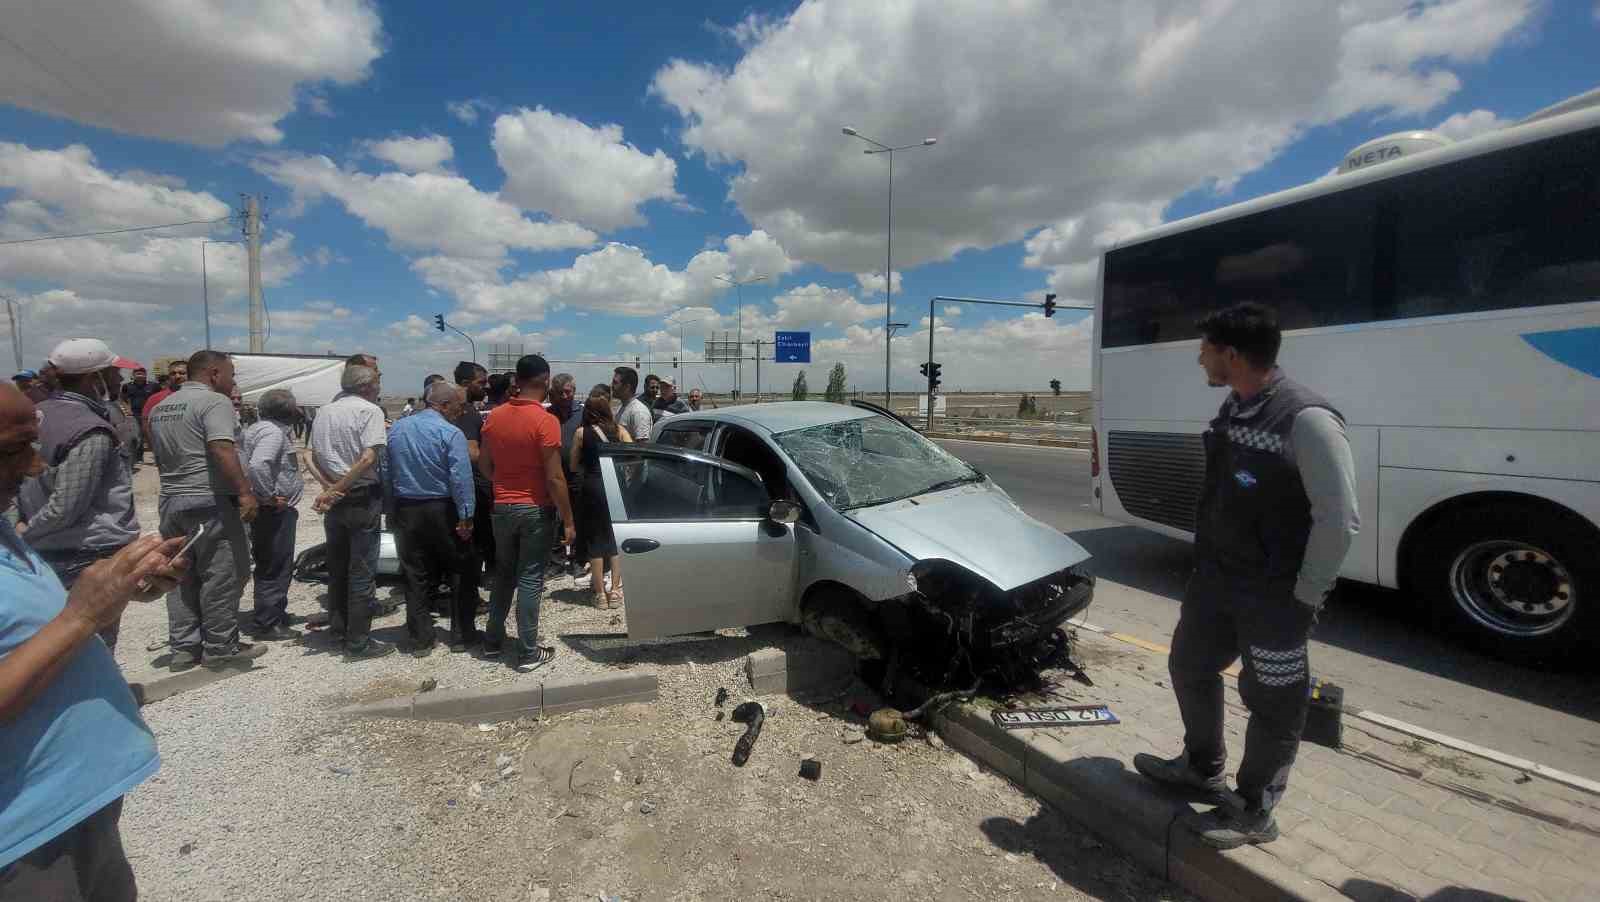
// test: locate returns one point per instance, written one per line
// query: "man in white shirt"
(347, 437)
(631, 413)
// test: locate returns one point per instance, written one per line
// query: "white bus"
(1447, 302)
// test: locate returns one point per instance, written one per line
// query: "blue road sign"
(792, 347)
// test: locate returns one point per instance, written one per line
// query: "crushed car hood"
(978, 527)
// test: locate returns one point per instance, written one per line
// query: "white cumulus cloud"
(560, 165)
(424, 211)
(428, 153)
(203, 73)
(1469, 125)
(1046, 113)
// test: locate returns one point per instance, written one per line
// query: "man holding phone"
(192, 432)
(70, 732)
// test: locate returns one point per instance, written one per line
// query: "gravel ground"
(266, 793)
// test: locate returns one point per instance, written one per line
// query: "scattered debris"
(887, 725)
(750, 713)
(1522, 778)
(502, 759)
(428, 685)
(475, 790)
(811, 769)
(722, 696)
(510, 770)
(853, 733)
(647, 807)
(186, 848)
(488, 727)
(341, 770)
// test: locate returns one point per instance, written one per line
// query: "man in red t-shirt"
(520, 454)
(177, 374)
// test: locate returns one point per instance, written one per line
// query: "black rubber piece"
(750, 713)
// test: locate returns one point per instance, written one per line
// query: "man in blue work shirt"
(70, 732)
(428, 490)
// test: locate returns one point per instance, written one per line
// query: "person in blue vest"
(70, 732)
(1276, 516)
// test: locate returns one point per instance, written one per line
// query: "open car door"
(698, 544)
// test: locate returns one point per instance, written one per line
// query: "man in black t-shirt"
(474, 379)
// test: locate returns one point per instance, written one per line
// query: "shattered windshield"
(870, 461)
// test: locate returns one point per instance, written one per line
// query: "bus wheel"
(1514, 581)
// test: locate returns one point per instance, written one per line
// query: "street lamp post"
(738, 287)
(888, 254)
(205, 286)
(684, 361)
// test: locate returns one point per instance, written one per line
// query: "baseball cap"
(25, 374)
(76, 356)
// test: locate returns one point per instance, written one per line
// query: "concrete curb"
(501, 703)
(1079, 444)
(775, 671)
(1126, 811)
(149, 692)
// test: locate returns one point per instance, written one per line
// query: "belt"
(409, 501)
(359, 493)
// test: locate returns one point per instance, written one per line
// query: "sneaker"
(183, 660)
(491, 649)
(243, 653)
(1178, 773)
(1225, 827)
(279, 633)
(372, 649)
(541, 656)
(418, 649)
(458, 644)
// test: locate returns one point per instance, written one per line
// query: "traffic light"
(438, 321)
(674, 363)
(931, 371)
(1049, 306)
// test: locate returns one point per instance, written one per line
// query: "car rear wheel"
(1514, 581)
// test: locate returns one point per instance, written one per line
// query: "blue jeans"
(522, 547)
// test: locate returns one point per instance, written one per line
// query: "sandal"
(615, 598)
(601, 601)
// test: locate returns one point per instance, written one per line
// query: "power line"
(150, 228)
(97, 101)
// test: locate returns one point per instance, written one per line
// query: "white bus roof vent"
(1391, 147)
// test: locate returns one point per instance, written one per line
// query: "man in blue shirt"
(71, 738)
(427, 481)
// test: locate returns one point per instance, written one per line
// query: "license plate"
(1075, 716)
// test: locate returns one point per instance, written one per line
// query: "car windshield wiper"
(952, 483)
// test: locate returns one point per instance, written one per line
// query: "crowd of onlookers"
(484, 477)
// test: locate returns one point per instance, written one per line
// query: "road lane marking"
(1021, 445)
(1573, 781)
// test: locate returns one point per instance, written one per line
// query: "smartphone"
(144, 584)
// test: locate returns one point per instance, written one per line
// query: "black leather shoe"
(372, 649)
(278, 633)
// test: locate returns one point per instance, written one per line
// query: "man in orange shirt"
(521, 455)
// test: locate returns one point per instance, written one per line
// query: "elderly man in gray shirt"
(347, 438)
(203, 486)
(273, 466)
(1276, 517)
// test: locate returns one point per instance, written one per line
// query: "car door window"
(674, 489)
(691, 436)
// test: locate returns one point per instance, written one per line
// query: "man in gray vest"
(80, 510)
(1276, 517)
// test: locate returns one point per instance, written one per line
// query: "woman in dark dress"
(598, 426)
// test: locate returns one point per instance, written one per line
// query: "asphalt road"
(1374, 642)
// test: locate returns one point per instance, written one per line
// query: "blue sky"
(574, 182)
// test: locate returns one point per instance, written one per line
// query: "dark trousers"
(353, 527)
(272, 546)
(483, 531)
(70, 565)
(84, 864)
(1216, 627)
(203, 610)
(425, 536)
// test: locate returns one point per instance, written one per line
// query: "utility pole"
(759, 343)
(15, 317)
(252, 237)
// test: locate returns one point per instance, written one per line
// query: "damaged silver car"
(846, 520)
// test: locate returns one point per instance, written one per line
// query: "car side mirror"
(785, 512)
